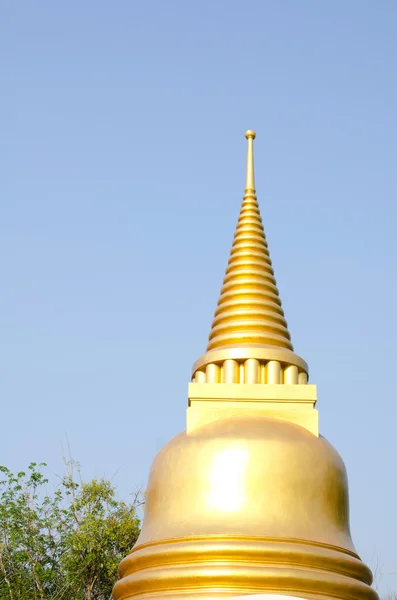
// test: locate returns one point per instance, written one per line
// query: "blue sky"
(123, 157)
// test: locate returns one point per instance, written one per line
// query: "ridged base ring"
(209, 568)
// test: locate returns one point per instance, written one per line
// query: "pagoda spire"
(249, 309)
(250, 175)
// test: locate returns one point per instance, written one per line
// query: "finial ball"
(250, 134)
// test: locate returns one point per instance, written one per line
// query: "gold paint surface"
(189, 568)
(249, 309)
(200, 414)
(288, 482)
(231, 371)
(260, 352)
(246, 505)
(250, 498)
(244, 392)
(251, 370)
(291, 375)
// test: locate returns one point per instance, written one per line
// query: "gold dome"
(248, 476)
(246, 505)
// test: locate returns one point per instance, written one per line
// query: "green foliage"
(64, 545)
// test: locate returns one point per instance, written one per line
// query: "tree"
(28, 549)
(99, 531)
(64, 545)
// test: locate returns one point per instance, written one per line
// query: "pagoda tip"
(250, 134)
(250, 179)
(249, 311)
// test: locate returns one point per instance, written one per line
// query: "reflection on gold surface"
(227, 479)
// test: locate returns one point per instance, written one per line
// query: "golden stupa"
(250, 499)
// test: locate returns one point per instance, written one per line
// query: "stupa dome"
(253, 504)
(252, 476)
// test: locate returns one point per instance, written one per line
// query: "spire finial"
(250, 179)
(249, 309)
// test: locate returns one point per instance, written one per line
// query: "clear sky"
(122, 159)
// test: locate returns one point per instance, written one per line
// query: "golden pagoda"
(250, 499)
